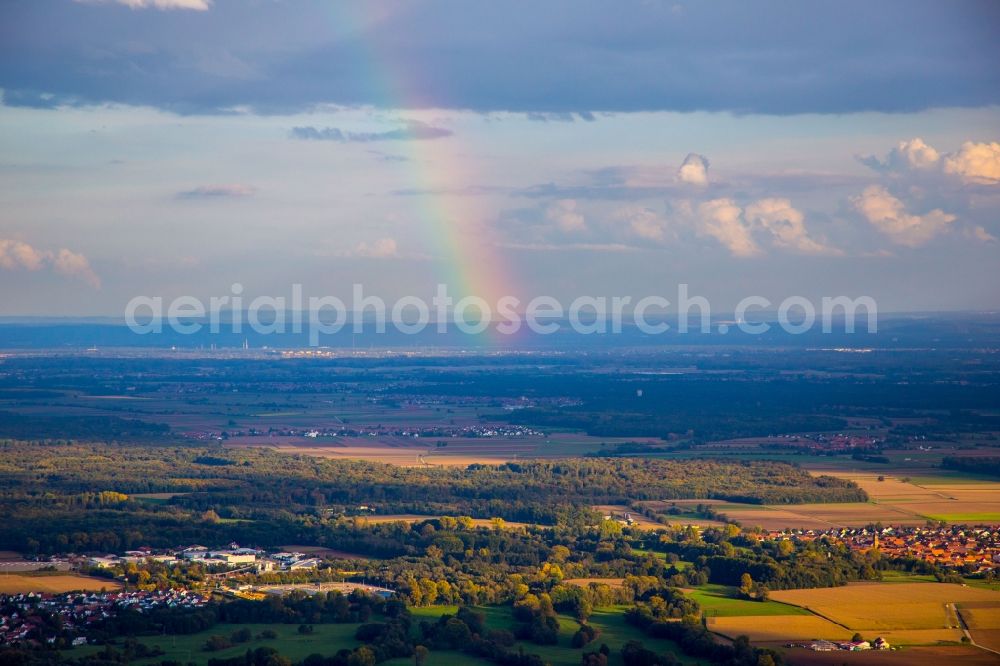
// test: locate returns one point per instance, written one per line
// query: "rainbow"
(464, 259)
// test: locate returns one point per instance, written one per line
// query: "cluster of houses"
(233, 558)
(623, 518)
(472, 432)
(826, 442)
(851, 646)
(37, 619)
(974, 549)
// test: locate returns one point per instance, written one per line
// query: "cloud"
(73, 264)
(564, 214)
(975, 163)
(979, 233)
(643, 223)
(235, 191)
(560, 116)
(723, 220)
(380, 249)
(414, 130)
(888, 214)
(909, 155)
(740, 229)
(196, 5)
(18, 255)
(388, 157)
(694, 170)
(586, 247)
(786, 226)
(554, 58)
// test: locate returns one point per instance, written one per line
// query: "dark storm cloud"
(561, 57)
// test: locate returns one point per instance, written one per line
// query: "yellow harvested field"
(15, 584)
(954, 502)
(786, 628)
(983, 622)
(915, 636)
(779, 628)
(981, 617)
(887, 606)
(893, 502)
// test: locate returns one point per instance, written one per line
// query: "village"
(487, 431)
(974, 550)
(36, 618)
(850, 646)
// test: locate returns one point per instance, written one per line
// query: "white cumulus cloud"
(972, 163)
(723, 220)
(18, 255)
(975, 163)
(73, 264)
(888, 214)
(786, 225)
(694, 170)
(910, 155)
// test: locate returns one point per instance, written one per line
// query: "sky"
(176, 147)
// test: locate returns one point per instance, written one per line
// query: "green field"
(721, 601)
(325, 639)
(609, 621)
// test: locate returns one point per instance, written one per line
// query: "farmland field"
(14, 584)
(721, 601)
(414, 452)
(893, 502)
(779, 628)
(983, 623)
(904, 613)
(887, 606)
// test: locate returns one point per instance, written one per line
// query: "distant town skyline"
(175, 147)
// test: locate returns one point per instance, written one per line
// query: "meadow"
(722, 601)
(610, 622)
(326, 638)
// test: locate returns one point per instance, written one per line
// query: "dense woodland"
(989, 465)
(78, 497)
